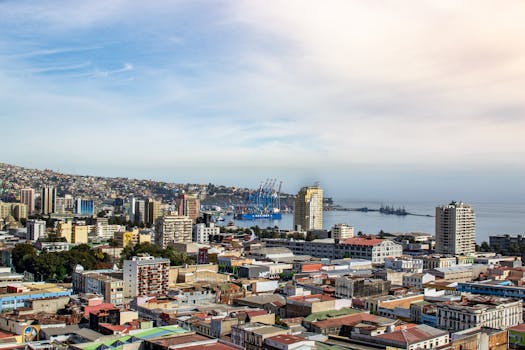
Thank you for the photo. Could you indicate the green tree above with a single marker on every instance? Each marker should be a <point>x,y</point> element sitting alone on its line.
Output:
<point>23,256</point>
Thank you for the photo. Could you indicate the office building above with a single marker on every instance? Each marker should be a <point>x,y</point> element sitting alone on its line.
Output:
<point>146,275</point>
<point>189,205</point>
<point>48,199</point>
<point>80,234</point>
<point>151,212</point>
<point>342,231</point>
<point>455,229</point>
<point>84,207</point>
<point>173,229</point>
<point>309,208</point>
<point>35,229</point>
<point>27,197</point>
<point>140,211</point>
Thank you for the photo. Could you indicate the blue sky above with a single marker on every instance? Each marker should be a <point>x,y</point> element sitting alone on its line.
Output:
<point>422,100</point>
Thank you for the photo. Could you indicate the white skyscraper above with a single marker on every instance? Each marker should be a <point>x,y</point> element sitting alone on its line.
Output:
<point>455,229</point>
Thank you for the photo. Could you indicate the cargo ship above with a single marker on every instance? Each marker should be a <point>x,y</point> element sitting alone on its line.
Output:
<point>258,216</point>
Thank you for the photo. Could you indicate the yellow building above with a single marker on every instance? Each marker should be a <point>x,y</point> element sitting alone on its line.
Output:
<point>309,208</point>
<point>125,238</point>
<point>80,234</point>
<point>64,229</point>
<point>16,210</point>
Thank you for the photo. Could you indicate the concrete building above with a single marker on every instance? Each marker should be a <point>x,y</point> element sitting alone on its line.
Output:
<point>437,261</point>
<point>347,287</point>
<point>342,231</point>
<point>251,336</point>
<point>35,229</point>
<point>132,238</point>
<point>455,229</point>
<point>479,311</point>
<point>417,280</point>
<point>189,205</point>
<point>48,199</point>
<point>308,212</point>
<point>107,283</point>
<point>152,212</point>
<point>65,230</point>
<point>203,232</point>
<point>173,229</point>
<point>457,273</point>
<point>140,211</point>
<point>373,249</point>
<point>27,197</point>
<point>146,275</point>
<point>80,234</point>
<point>404,263</point>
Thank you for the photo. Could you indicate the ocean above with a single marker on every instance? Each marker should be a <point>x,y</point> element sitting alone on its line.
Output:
<point>491,218</point>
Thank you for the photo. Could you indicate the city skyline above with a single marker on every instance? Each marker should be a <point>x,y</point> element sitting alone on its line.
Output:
<point>386,102</point>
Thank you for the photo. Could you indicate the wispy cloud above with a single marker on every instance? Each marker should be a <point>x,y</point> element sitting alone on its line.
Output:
<point>51,52</point>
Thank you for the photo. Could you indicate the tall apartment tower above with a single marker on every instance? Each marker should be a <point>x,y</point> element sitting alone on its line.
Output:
<point>146,275</point>
<point>172,228</point>
<point>27,197</point>
<point>151,211</point>
<point>48,199</point>
<point>309,208</point>
<point>189,205</point>
<point>455,229</point>
<point>35,229</point>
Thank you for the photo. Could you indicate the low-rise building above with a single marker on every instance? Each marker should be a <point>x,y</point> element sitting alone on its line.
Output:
<point>252,336</point>
<point>455,273</point>
<point>417,280</point>
<point>347,287</point>
<point>479,311</point>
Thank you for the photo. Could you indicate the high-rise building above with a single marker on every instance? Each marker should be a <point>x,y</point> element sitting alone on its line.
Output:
<point>35,229</point>
<point>140,211</point>
<point>455,229</point>
<point>48,200</point>
<point>146,275</point>
<point>131,209</point>
<point>27,197</point>
<point>172,228</point>
<point>152,211</point>
<point>84,207</point>
<point>309,208</point>
<point>342,232</point>
<point>69,203</point>
<point>189,205</point>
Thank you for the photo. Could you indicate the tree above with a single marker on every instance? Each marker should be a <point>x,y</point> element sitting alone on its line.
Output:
<point>23,256</point>
<point>485,247</point>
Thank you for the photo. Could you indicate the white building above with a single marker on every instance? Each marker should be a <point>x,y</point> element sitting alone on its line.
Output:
<point>202,233</point>
<point>369,248</point>
<point>404,263</point>
<point>35,229</point>
<point>417,280</point>
<point>455,229</point>
<point>172,228</point>
<point>342,232</point>
<point>146,275</point>
<point>479,311</point>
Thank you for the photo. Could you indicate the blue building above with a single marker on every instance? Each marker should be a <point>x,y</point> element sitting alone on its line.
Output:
<point>18,295</point>
<point>495,288</point>
<point>84,207</point>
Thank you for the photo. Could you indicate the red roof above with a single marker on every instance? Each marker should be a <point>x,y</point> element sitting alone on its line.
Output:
<point>518,328</point>
<point>349,320</point>
<point>96,308</point>
<point>362,241</point>
<point>212,346</point>
<point>311,298</point>
<point>286,339</point>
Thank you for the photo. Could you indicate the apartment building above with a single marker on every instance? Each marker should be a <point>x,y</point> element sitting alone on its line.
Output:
<point>146,275</point>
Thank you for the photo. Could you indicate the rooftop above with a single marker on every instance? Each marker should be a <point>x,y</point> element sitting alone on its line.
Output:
<point>362,241</point>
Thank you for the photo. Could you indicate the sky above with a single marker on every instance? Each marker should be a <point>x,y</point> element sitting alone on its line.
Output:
<point>383,100</point>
